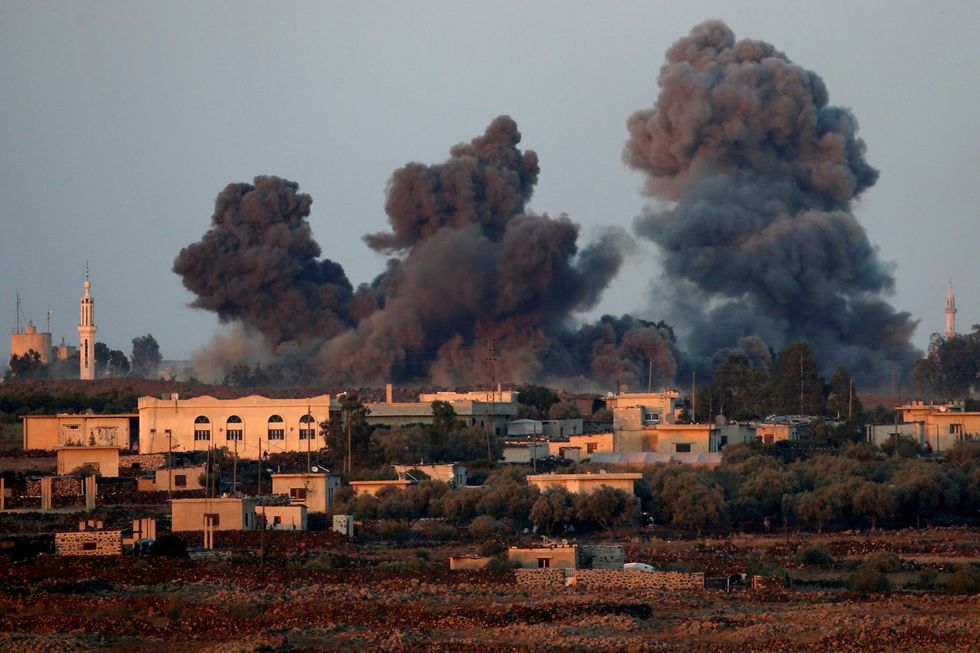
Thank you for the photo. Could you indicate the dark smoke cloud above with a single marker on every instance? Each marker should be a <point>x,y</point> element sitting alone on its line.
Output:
<point>758,239</point>
<point>473,265</point>
<point>258,264</point>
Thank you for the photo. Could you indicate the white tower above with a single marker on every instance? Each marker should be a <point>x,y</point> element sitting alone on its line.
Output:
<point>950,312</point>
<point>86,334</point>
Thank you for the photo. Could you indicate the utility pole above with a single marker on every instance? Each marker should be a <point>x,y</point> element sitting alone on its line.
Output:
<point>850,402</point>
<point>801,383</point>
<point>309,422</point>
<point>650,375</point>
<point>207,474</point>
<point>350,440</point>
<point>234,470</point>
<point>491,364</point>
<point>258,491</point>
<point>694,397</point>
<point>170,463</point>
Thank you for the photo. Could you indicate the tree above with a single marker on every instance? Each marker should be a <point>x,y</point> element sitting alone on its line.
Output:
<point>951,368</point>
<point>349,438</point>
<point>697,505</point>
<point>608,507</point>
<point>563,411</point>
<point>819,507</point>
<point>842,400</point>
<point>872,500</point>
<point>146,355</point>
<point>26,367</point>
<point>792,377</point>
<point>552,507</point>
<point>537,398</point>
<point>111,362</point>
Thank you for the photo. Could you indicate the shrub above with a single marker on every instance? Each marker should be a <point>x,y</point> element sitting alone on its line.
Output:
<point>436,530</point>
<point>169,546</point>
<point>814,555</point>
<point>492,548</point>
<point>483,527</point>
<point>966,580</point>
<point>867,578</point>
<point>392,530</point>
<point>175,608</point>
<point>885,562</point>
<point>927,579</point>
<point>501,562</point>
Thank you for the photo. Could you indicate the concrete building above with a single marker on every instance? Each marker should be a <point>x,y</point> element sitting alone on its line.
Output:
<point>104,460</point>
<point>639,460</point>
<point>315,491</point>
<point>280,518</point>
<point>49,432</point>
<point>473,413</point>
<point>86,334</point>
<point>545,557</point>
<point>224,513</point>
<point>586,483</point>
<point>451,473</point>
<point>520,452</point>
<point>548,428</point>
<point>247,425</point>
<point>637,416</point>
<point>589,444</point>
<point>183,478</point>
<point>374,487</point>
<point>940,425</point>
<point>28,340</point>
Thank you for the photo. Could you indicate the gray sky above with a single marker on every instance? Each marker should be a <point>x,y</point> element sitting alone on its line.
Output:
<point>121,122</point>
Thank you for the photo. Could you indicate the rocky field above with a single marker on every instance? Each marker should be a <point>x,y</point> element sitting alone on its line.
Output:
<point>398,599</point>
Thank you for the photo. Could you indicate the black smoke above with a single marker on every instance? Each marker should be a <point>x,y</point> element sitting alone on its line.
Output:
<point>473,270</point>
<point>758,174</point>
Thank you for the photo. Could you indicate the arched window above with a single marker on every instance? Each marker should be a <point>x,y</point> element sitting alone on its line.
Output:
<point>202,428</point>
<point>307,426</point>
<point>277,428</point>
<point>235,429</point>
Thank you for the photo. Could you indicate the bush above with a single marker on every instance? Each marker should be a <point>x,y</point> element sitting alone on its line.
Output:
<point>927,579</point>
<point>392,530</point>
<point>169,546</point>
<point>885,562</point>
<point>966,580</point>
<point>492,548</point>
<point>483,527</point>
<point>501,562</point>
<point>814,555</point>
<point>437,530</point>
<point>867,578</point>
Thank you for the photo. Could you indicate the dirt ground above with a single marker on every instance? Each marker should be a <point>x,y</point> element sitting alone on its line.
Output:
<point>297,603</point>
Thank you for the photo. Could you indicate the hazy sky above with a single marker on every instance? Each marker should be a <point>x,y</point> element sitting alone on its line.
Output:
<point>121,122</point>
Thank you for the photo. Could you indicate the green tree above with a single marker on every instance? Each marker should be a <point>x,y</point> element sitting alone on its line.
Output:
<point>608,507</point>
<point>696,505</point>
<point>792,376</point>
<point>146,355</point>
<point>111,362</point>
<point>819,507</point>
<point>951,368</point>
<point>842,400</point>
<point>26,367</point>
<point>872,500</point>
<point>553,507</point>
<point>537,398</point>
<point>563,411</point>
<point>348,434</point>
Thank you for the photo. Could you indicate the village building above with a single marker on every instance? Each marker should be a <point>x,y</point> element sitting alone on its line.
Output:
<point>179,479</point>
<point>452,473</point>
<point>102,460</point>
<point>280,517</point>
<point>547,428</point>
<point>559,556</point>
<point>222,513</point>
<point>49,432</point>
<point>521,452</point>
<point>315,491</point>
<point>91,539</point>
<point>939,425</point>
<point>586,483</point>
<point>247,426</point>
<point>374,487</point>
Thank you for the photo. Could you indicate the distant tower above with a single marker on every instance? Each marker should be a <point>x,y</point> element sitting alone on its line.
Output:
<point>950,312</point>
<point>86,334</point>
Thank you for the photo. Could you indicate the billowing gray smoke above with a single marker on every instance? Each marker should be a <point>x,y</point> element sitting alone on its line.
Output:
<point>758,174</point>
<point>473,267</point>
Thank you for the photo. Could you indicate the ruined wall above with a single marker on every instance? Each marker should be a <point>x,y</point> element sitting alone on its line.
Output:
<point>540,580</point>
<point>146,461</point>
<point>601,556</point>
<point>88,543</point>
<point>605,580</point>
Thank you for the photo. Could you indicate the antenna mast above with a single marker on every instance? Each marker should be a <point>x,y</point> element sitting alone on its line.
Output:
<point>491,364</point>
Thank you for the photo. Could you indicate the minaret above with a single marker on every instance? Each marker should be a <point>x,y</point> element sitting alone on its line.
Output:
<point>950,312</point>
<point>86,334</point>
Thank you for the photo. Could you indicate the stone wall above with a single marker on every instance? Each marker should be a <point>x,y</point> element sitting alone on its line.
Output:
<point>146,461</point>
<point>597,580</point>
<point>88,543</point>
<point>61,486</point>
<point>601,556</point>
<point>605,580</point>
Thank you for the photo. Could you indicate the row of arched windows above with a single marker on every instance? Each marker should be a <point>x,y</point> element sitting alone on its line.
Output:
<point>235,428</point>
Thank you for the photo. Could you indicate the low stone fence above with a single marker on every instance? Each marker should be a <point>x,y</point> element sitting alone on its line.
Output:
<point>61,486</point>
<point>146,461</point>
<point>540,580</point>
<point>604,580</point>
<point>597,580</point>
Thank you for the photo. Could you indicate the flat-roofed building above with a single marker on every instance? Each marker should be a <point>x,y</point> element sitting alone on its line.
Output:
<point>104,460</point>
<point>281,518</point>
<point>589,444</point>
<point>184,478</point>
<point>451,473</point>
<point>48,432</point>
<point>544,557</point>
<point>224,514</point>
<point>247,426</point>
<point>374,487</point>
<point>483,414</point>
<point>941,425</point>
<point>313,490</point>
<point>586,483</point>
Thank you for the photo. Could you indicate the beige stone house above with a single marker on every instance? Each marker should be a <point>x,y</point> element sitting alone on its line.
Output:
<point>586,483</point>
<point>104,460</point>
<point>49,432</point>
<point>313,490</point>
<point>224,514</point>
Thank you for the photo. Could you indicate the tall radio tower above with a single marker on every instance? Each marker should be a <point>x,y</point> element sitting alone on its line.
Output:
<point>950,312</point>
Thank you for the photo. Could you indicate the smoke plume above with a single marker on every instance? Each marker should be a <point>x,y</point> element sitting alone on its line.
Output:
<point>757,174</point>
<point>473,272</point>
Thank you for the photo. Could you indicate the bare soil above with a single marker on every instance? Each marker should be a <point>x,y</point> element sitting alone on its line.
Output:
<point>295,601</point>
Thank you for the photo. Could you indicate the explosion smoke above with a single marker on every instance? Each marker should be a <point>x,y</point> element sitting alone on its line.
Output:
<point>760,174</point>
<point>474,265</point>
